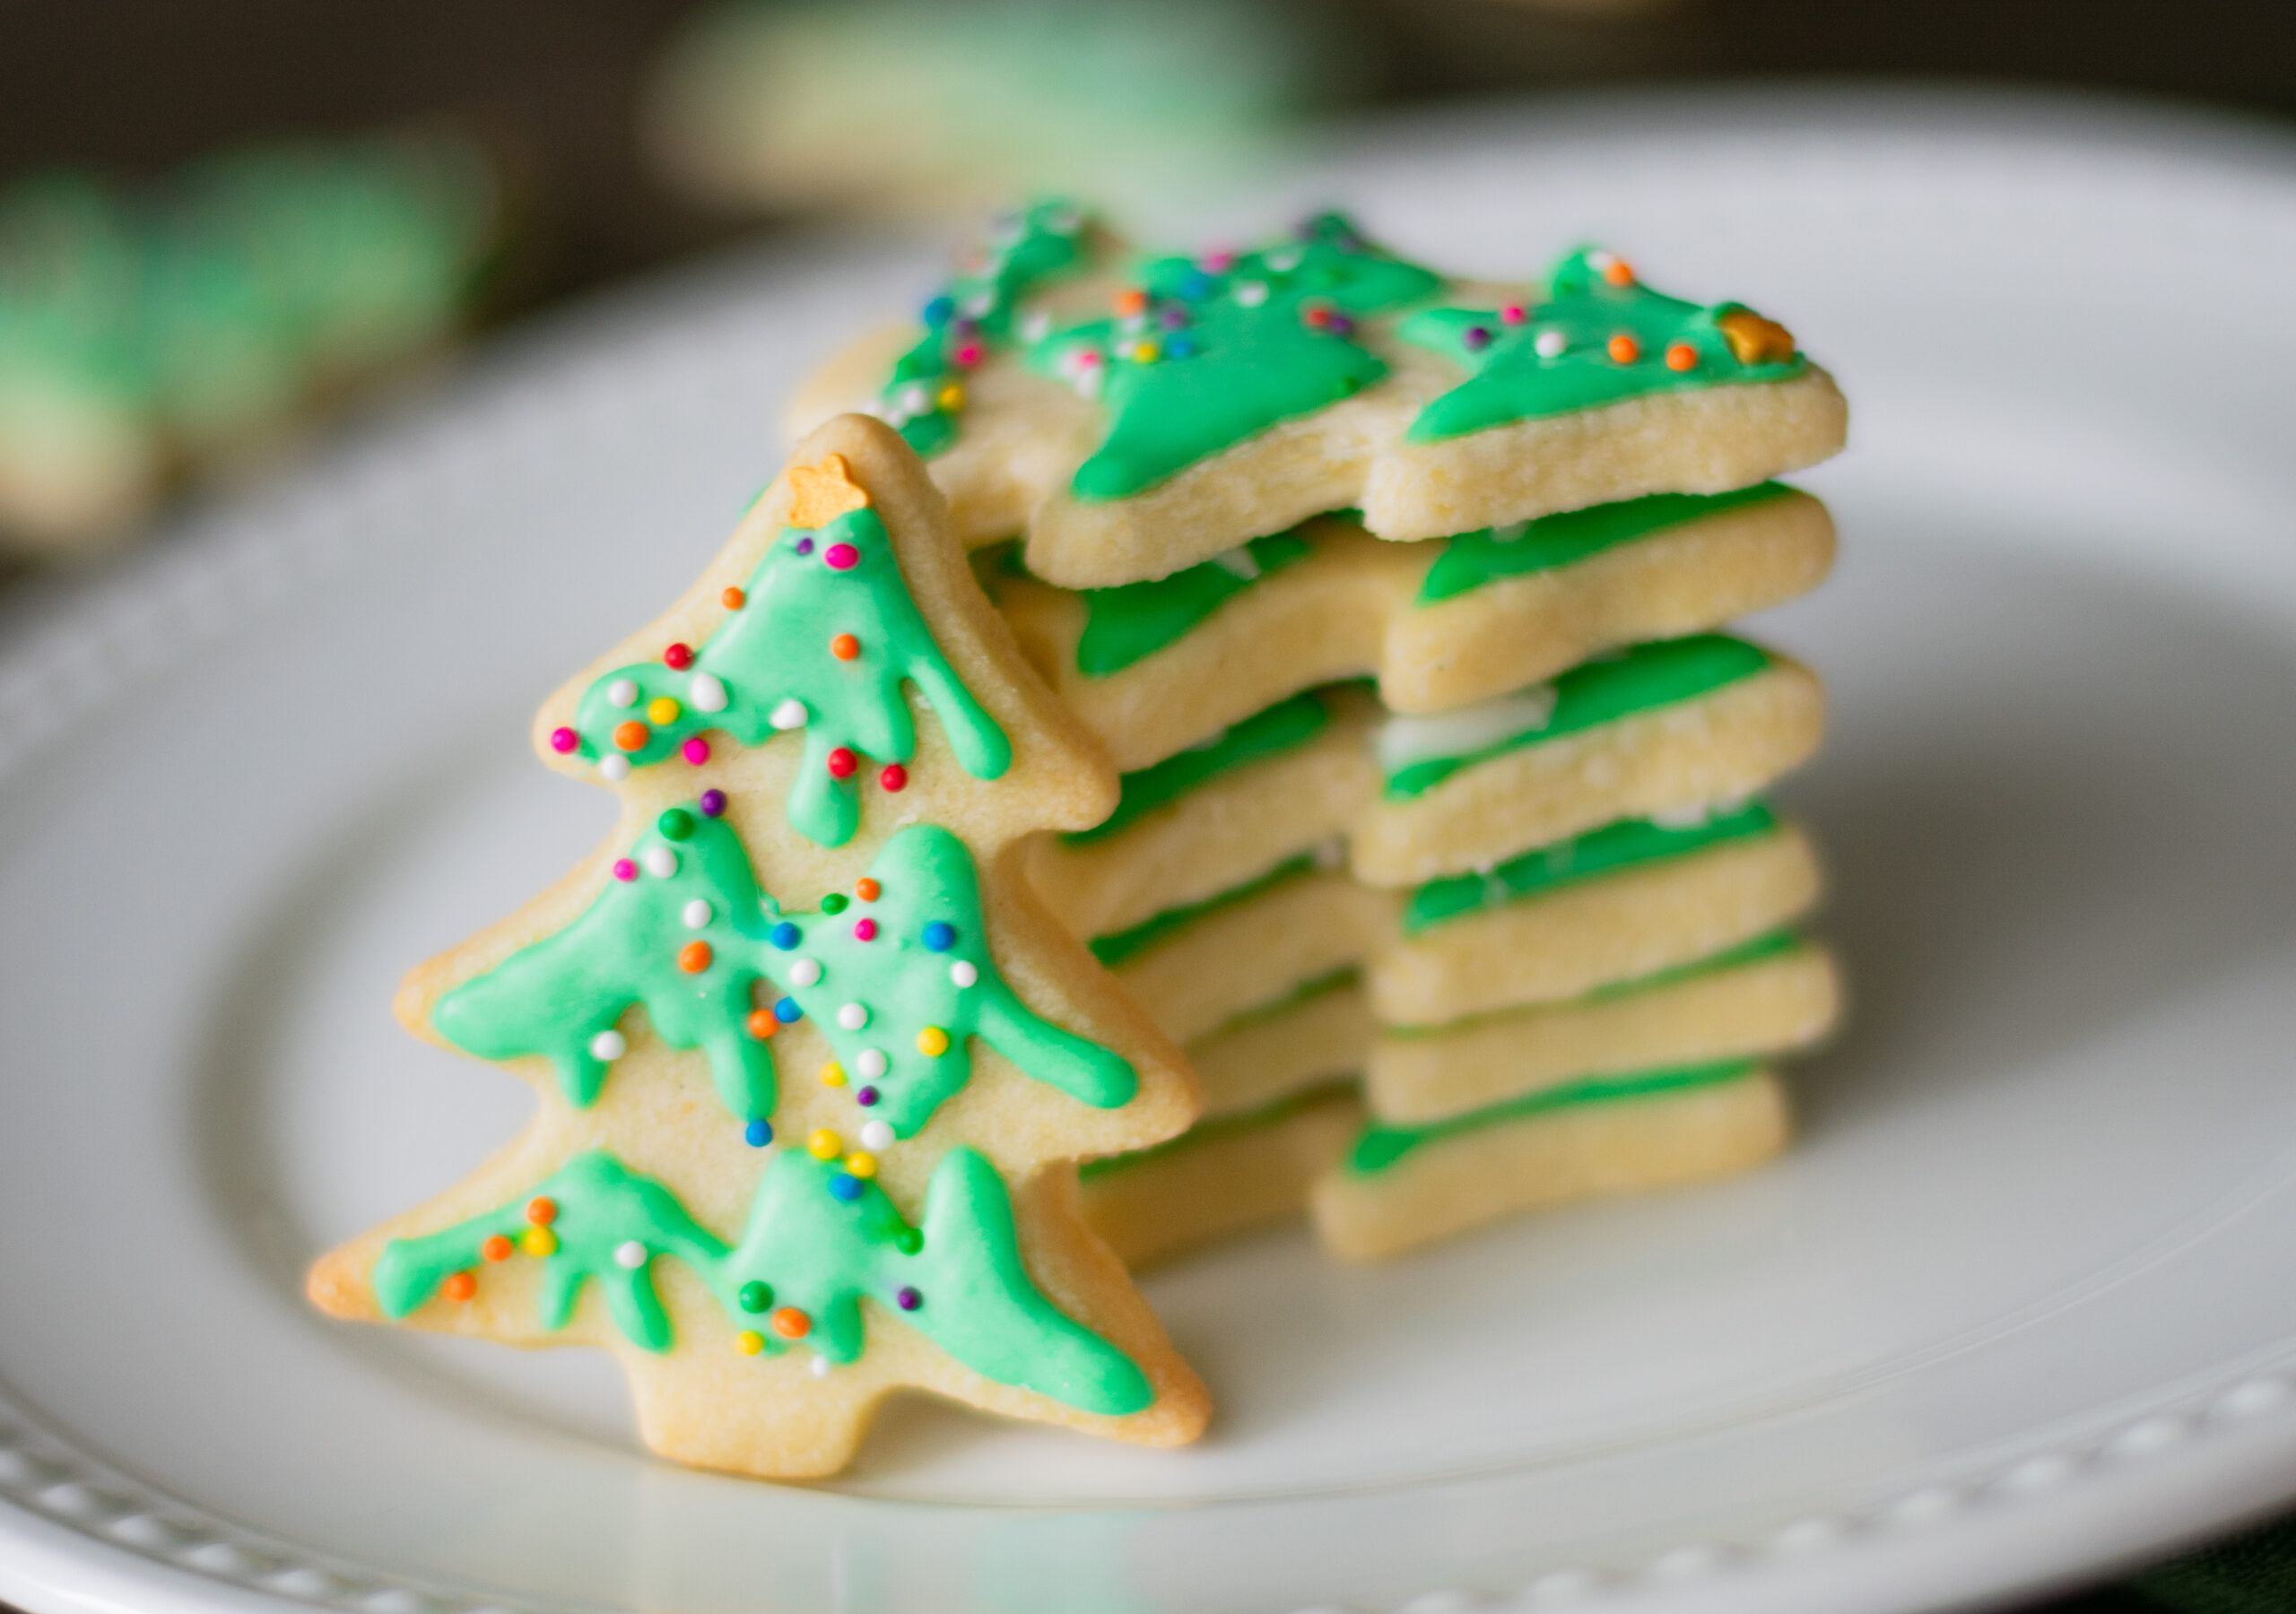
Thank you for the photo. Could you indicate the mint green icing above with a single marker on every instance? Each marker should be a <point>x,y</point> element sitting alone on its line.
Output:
<point>1513,381</point>
<point>1284,726</point>
<point>1225,348</point>
<point>1472,559</point>
<point>1214,1128</point>
<point>1114,949</point>
<point>1126,624</point>
<point>924,876</point>
<point>1627,844</point>
<point>555,997</point>
<point>776,650</point>
<point>1658,673</point>
<point>972,314</point>
<point>819,1242</point>
<point>926,928</point>
<point>1381,1145</point>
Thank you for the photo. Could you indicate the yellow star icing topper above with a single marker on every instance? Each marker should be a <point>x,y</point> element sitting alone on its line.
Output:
<point>821,494</point>
<point>1755,340</point>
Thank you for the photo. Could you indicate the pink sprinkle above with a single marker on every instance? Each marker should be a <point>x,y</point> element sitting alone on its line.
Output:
<point>564,740</point>
<point>695,751</point>
<point>864,930</point>
<point>1513,313</point>
<point>623,868</point>
<point>968,355</point>
<point>840,557</point>
<point>1220,262</point>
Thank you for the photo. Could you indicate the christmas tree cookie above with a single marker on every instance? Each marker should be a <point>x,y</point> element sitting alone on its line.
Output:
<point>1228,397</point>
<point>812,1067</point>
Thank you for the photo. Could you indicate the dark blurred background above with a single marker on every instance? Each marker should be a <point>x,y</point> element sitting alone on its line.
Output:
<point>618,136</point>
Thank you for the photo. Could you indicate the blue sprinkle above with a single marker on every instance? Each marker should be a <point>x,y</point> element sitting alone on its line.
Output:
<point>939,936</point>
<point>846,1187</point>
<point>786,1010</point>
<point>938,311</point>
<point>785,935</point>
<point>1195,285</point>
<point>758,1134</point>
<point>1179,347</point>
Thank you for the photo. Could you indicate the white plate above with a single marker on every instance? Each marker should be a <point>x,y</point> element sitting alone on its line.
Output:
<point>2019,1307</point>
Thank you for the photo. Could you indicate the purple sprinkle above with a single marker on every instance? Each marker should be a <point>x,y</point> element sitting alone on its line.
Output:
<point>908,1299</point>
<point>1475,338</point>
<point>1340,324</point>
<point>805,546</point>
<point>866,1096</point>
<point>713,802</point>
<point>1171,318</point>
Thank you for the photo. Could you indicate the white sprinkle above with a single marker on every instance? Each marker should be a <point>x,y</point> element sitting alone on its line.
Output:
<point>1550,343</point>
<point>853,1016</point>
<point>1250,294</point>
<point>1599,260</point>
<point>660,862</point>
<point>821,1366</point>
<point>632,1254</point>
<point>977,305</point>
<point>609,1046</point>
<point>622,693</point>
<point>1064,220</point>
<point>614,769</point>
<point>706,693</point>
<point>963,974</point>
<point>917,400</point>
<point>876,1136</point>
<point>1238,563</point>
<point>870,1064</point>
<point>696,914</point>
<point>1681,818</point>
<point>1035,327</point>
<point>805,972</point>
<point>1285,259</point>
<point>790,714</point>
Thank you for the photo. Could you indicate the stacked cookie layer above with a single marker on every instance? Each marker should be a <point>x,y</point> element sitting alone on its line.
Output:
<point>1443,858</point>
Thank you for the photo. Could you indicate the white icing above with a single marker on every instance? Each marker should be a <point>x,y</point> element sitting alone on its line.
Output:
<point>1238,563</point>
<point>1403,742</point>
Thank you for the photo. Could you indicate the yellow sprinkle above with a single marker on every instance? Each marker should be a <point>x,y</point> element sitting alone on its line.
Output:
<point>1145,352</point>
<point>861,1165</point>
<point>538,1241</point>
<point>824,1144</point>
<point>951,397</point>
<point>932,1042</point>
<point>661,710</point>
<point>749,1342</point>
<point>833,1075</point>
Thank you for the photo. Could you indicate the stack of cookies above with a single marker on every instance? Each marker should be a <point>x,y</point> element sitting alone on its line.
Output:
<point>1397,601</point>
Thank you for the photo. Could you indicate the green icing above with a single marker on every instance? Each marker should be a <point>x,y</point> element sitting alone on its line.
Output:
<point>1114,949</point>
<point>771,668</point>
<point>1280,728</point>
<point>1306,992</point>
<point>1472,559</point>
<point>602,1205</point>
<point>1212,1130</point>
<point>972,314</point>
<point>1624,845</point>
<point>1225,347</point>
<point>1654,674</point>
<point>1513,381</point>
<point>904,984</point>
<point>1770,944</point>
<point>915,958</point>
<point>1125,624</point>
<point>819,1242</point>
<point>557,997</point>
<point>1380,1146</point>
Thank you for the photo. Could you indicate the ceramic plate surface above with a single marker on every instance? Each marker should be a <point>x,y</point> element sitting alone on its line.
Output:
<point>2019,1307</point>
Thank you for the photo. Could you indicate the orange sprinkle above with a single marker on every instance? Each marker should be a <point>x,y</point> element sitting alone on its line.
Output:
<point>1132,299</point>
<point>694,957</point>
<point>1618,274</point>
<point>866,889</point>
<point>845,646</point>
<point>762,1024</point>
<point>734,599</point>
<point>497,1248</point>
<point>632,735</point>
<point>542,1210</point>
<point>460,1286</point>
<point>1682,356</point>
<point>791,1323</point>
<point>1624,349</point>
